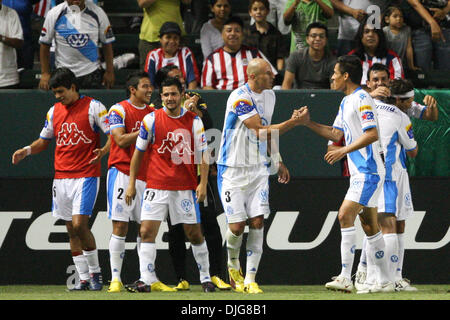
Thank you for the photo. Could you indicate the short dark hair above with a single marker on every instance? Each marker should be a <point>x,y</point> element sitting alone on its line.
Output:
<point>133,80</point>
<point>400,86</point>
<point>171,81</point>
<point>378,67</point>
<point>352,65</point>
<point>318,25</point>
<point>162,74</point>
<point>264,2</point>
<point>233,19</point>
<point>63,77</point>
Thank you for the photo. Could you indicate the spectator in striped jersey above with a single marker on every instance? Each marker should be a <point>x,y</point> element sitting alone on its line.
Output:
<point>172,53</point>
<point>371,47</point>
<point>226,67</point>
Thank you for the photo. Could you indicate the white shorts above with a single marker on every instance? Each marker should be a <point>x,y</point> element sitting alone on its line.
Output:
<point>244,192</point>
<point>396,198</point>
<point>181,206</point>
<point>74,196</point>
<point>116,186</point>
<point>365,189</point>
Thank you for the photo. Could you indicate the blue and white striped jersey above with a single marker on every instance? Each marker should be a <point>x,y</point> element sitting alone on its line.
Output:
<point>357,113</point>
<point>396,136</point>
<point>77,35</point>
<point>239,146</point>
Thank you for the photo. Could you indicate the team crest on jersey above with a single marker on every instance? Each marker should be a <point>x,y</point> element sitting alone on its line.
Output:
<point>78,40</point>
<point>137,126</point>
<point>70,134</point>
<point>176,142</point>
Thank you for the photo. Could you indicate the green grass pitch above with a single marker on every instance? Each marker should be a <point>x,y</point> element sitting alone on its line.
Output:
<point>271,292</point>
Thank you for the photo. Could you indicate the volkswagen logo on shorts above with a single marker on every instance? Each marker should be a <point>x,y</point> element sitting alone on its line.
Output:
<point>408,201</point>
<point>78,40</point>
<point>229,210</point>
<point>264,196</point>
<point>186,204</point>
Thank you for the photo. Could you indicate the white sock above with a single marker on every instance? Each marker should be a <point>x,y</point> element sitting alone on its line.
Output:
<point>92,261</point>
<point>201,256</point>
<point>377,251</point>
<point>348,244</point>
<point>233,248</point>
<point>138,244</point>
<point>391,242</point>
<point>147,259</point>
<point>363,258</point>
<point>372,269</point>
<point>254,253</point>
<point>401,256</point>
<point>116,255</point>
<point>82,266</point>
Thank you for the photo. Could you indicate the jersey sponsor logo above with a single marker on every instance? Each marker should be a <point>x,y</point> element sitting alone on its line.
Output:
<point>243,107</point>
<point>143,132</point>
<point>363,108</point>
<point>114,118</point>
<point>409,131</point>
<point>43,32</point>
<point>79,40</point>
<point>176,143</point>
<point>186,205</point>
<point>70,134</point>
<point>367,116</point>
<point>109,33</point>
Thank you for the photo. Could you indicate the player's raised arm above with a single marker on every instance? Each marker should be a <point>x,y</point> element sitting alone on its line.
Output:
<point>37,146</point>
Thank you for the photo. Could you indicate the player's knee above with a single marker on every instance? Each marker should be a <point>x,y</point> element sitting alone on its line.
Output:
<point>345,219</point>
<point>237,228</point>
<point>148,234</point>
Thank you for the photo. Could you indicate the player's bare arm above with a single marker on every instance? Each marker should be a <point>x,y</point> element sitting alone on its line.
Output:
<point>37,146</point>
<point>101,152</point>
<point>200,192</point>
<point>135,164</point>
<point>122,138</point>
<point>265,132</point>
<point>368,137</point>
<point>328,132</point>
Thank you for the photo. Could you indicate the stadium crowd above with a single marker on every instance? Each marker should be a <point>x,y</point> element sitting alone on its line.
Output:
<point>411,36</point>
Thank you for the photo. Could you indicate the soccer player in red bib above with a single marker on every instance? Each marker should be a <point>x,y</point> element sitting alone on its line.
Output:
<point>125,119</point>
<point>75,121</point>
<point>176,141</point>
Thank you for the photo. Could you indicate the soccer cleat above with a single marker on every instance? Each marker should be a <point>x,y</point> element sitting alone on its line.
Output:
<point>360,279</point>
<point>385,288</point>
<point>83,285</point>
<point>159,286</point>
<point>364,288</point>
<point>115,286</point>
<point>208,286</point>
<point>96,283</point>
<point>404,285</point>
<point>183,285</point>
<point>340,284</point>
<point>253,288</point>
<point>220,284</point>
<point>236,279</point>
<point>138,286</point>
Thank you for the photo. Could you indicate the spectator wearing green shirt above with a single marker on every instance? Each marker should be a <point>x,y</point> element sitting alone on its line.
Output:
<point>300,13</point>
<point>156,12</point>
